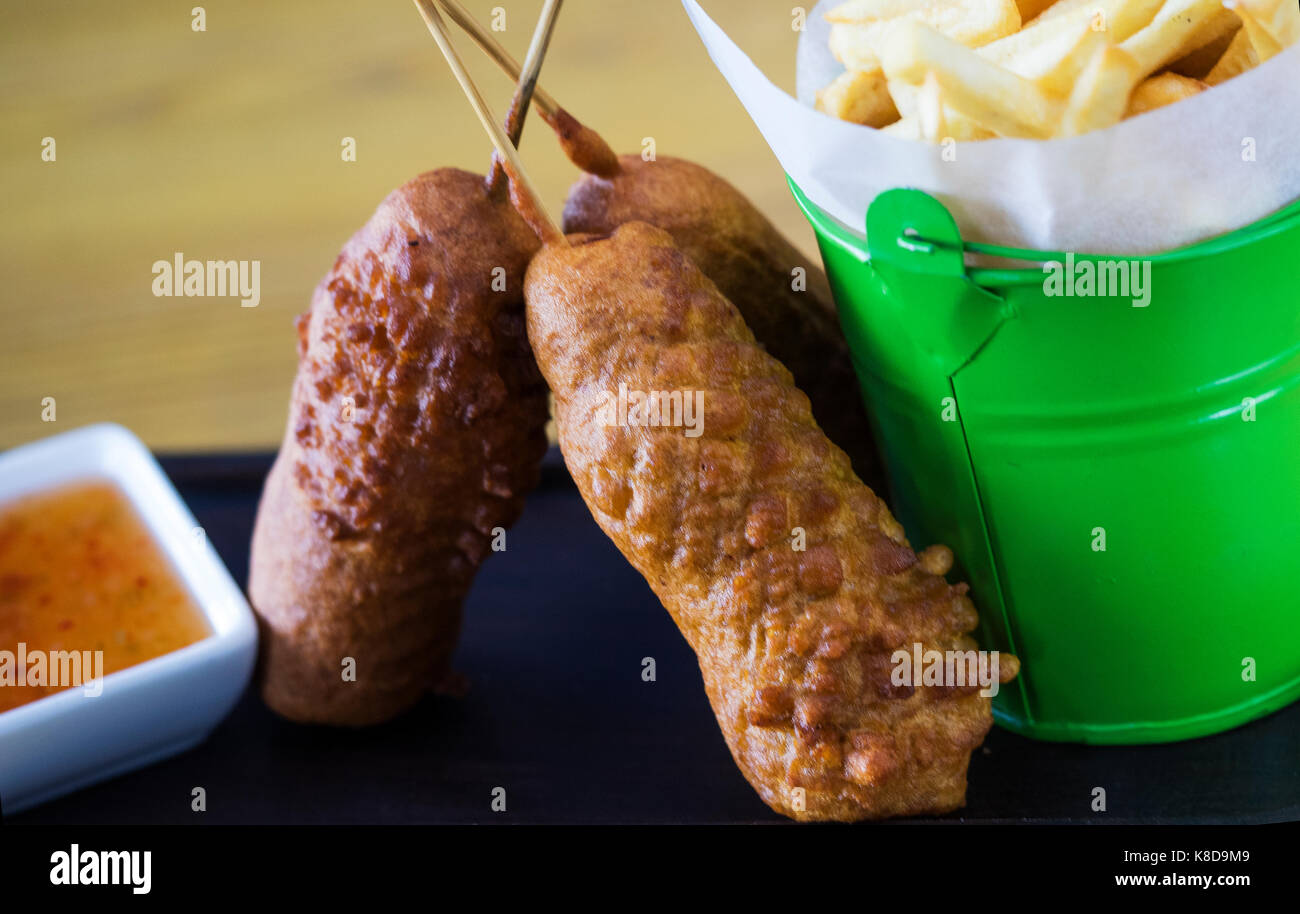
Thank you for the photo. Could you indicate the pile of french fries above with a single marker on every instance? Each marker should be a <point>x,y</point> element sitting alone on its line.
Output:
<point>959,70</point>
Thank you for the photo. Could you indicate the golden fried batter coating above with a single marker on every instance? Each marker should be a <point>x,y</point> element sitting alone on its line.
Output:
<point>752,264</point>
<point>416,427</point>
<point>795,646</point>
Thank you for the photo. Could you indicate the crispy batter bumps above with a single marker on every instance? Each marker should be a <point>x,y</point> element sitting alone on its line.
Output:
<point>795,646</point>
<point>753,265</point>
<point>415,429</point>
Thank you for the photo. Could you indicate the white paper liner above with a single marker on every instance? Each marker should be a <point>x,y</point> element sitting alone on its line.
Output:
<point>1165,179</point>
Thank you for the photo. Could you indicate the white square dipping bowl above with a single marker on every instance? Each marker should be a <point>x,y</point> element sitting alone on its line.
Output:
<point>147,712</point>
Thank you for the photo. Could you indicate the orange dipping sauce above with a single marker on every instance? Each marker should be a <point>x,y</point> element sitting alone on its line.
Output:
<point>80,572</point>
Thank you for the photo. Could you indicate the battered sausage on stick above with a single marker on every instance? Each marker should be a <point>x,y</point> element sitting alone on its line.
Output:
<point>732,242</point>
<point>795,646</point>
<point>416,427</point>
<point>415,430</point>
<point>755,267</point>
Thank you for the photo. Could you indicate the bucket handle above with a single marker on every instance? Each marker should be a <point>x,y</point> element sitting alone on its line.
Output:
<point>930,231</point>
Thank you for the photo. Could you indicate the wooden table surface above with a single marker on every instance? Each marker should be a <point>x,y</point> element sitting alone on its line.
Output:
<point>226,144</point>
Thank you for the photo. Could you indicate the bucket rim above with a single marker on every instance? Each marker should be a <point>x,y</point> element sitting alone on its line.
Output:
<point>996,277</point>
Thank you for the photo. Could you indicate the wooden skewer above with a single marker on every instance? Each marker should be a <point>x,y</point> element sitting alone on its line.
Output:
<point>582,145</point>
<point>527,84</point>
<point>536,53</point>
<point>483,38</point>
<point>530,207</point>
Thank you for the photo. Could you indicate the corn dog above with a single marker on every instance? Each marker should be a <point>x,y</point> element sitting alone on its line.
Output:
<point>415,430</point>
<point>754,266</point>
<point>795,645</point>
<point>731,241</point>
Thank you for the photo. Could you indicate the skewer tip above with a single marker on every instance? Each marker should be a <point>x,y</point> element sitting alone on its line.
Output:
<point>523,194</point>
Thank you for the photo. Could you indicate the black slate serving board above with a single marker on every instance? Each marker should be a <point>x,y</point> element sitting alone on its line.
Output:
<point>557,714</point>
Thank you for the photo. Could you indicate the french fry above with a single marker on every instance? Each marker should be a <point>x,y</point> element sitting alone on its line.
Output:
<point>1196,64</point>
<point>1271,24</point>
<point>1053,47</point>
<point>1038,47</point>
<point>1032,9</point>
<point>907,127</point>
<point>1162,90</point>
<point>1102,92</point>
<point>1068,51</point>
<point>929,110</point>
<point>1125,19</point>
<point>1217,28</point>
<point>904,95</point>
<point>859,97</point>
<point>1073,52</point>
<point>1171,33</point>
<point>1240,57</point>
<point>967,21</point>
<point>1265,45</point>
<point>858,28</point>
<point>993,97</point>
<point>960,129</point>
<point>1060,8</point>
<point>956,126</point>
<point>1072,66</point>
<point>1022,45</point>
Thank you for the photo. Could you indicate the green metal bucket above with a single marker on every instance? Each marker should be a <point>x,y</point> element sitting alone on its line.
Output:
<point>1120,484</point>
